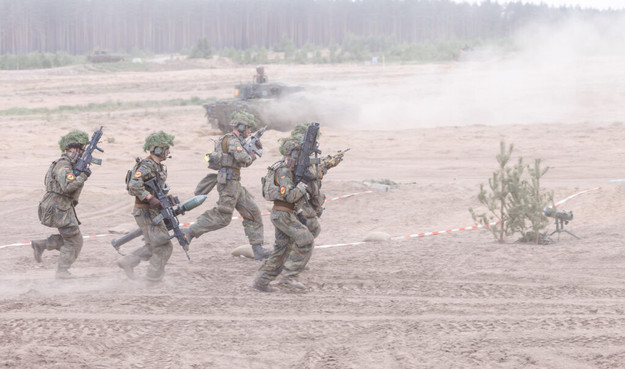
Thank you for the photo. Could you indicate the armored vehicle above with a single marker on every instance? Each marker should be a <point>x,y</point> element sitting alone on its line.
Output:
<point>260,89</point>
<point>264,100</point>
<point>102,56</point>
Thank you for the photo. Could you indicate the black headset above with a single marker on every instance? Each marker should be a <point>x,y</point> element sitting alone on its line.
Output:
<point>241,127</point>
<point>158,151</point>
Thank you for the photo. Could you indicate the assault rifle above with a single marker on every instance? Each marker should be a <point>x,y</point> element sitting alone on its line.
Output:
<point>253,144</point>
<point>309,146</point>
<point>331,161</point>
<point>82,164</point>
<point>192,203</point>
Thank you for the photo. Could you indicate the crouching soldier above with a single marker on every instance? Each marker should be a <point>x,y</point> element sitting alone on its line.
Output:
<point>57,208</point>
<point>291,235</point>
<point>158,247</point>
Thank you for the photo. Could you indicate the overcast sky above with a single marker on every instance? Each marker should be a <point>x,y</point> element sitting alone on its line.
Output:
<point>596,4</point>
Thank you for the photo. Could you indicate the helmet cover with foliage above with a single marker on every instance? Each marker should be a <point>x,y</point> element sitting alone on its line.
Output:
<point>158,139</point>
<point>288,144</point>
<point>242,117</point>
<point>300,130</point>
<point>74,137</point>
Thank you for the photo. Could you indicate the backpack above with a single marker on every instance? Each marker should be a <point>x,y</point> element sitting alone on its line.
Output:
<point>131,172</point>
<point>220,156</point>
<point>270,190</point>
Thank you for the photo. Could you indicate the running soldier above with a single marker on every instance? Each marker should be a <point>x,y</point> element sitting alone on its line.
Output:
<point>57,208</point>
<point>230,157</point>
<point>308,210</point>
<point>158,247</point>
<point>291,235</point>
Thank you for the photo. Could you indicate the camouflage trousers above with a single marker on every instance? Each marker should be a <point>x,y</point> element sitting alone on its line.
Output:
<point>292,237</point>
<point>68,242</point>
<point>232,196</point>
<point>157,249</point>
<point>296,262</point>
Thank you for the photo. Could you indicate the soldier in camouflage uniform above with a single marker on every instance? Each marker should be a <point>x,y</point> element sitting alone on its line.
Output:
<point>158,247</point>
<point>232,195</point>
<point>56,209</point>
<point>291,235</point>
<point>308,210</point>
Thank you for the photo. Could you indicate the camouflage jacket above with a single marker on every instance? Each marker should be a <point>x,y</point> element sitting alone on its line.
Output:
<point>63,188</point>
<point>144,171</point>
<point>232,145</point>
<point>284,180</point>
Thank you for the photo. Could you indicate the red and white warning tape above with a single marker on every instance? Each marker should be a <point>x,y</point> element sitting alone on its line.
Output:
<point>341,244</point>
<point>577,194</point>
<point>327,200</point>
<point>186,224</point>
<point>28,243</point>
<point>441,232</point>
<point>415,235</point>
<point>348,195</point>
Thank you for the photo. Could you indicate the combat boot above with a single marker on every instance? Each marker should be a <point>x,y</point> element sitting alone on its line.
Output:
<point>128,264</point>
<point>38,247</point>
<point>292,282</point>
<point>262,286</point>
<point>63,274</point>
<point>260,252</point>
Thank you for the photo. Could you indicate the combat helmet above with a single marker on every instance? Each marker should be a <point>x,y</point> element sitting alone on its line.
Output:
<point>73,139</point>
<point>300,130</point>
<point>288,144</point>
<point>242,117</point>
<point>158,139</point>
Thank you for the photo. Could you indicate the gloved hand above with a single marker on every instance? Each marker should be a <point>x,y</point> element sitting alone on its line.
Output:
<point>87,172</point>
<point>172,199</point>
<point>259,145</point>
<point>155,203</point>
<point>302,186</point>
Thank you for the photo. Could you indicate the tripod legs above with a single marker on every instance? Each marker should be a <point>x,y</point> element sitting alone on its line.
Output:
<point>560,229</point>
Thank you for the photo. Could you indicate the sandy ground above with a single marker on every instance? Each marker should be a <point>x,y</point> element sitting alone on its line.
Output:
<point>448,301</point>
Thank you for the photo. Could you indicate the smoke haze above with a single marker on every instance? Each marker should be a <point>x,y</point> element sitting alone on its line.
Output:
<point>569,72</point>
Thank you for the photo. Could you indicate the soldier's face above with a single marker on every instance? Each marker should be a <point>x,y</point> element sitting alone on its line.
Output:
<point>160,152</point>
<point>165,153</point>
<point>74,154</point>
<point>247,132</point>
<point>290,162</point>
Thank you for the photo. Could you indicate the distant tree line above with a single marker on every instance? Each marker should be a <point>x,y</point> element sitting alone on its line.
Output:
<point>165,26</point>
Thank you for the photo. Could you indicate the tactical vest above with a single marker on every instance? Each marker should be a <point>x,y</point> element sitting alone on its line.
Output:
<point>270,188</point>
<point>147,177</point>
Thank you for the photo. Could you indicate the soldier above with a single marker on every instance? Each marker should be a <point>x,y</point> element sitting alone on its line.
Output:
<point>158,247</point>
<point>308,210</point>
<point>232,195</point>
<point>291,235</point>
<point>57,208</point>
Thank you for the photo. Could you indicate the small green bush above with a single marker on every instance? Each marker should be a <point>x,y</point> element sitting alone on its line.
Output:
<point>514,203</point>
<point>201,49</point>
